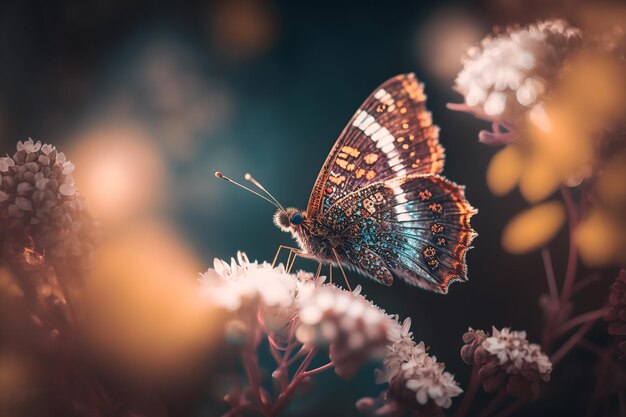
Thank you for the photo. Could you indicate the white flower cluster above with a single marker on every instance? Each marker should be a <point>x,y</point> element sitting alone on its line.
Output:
<point>516,354</point>
<point>414,375</point>
<point>261,297</point>
<point>38,199</point>
<point>509,73</point>
<point>353,327</point>
<point>249,288</point>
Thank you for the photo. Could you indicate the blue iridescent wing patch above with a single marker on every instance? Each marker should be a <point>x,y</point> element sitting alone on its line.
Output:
<point>415,227</point>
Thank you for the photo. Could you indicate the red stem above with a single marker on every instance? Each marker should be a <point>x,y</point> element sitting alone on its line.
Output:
<point>553,310</point>
<point>583,318</point>
<point>547,262</point>
<point>584,282</point>
<point>297,378</point>
<point>495,403</point>
<point>469,396</point>
<point>572,263</point>
<point>514,407</point>
<point>235,411</point>
<point>571,342</point>
<point>253,378</point>
<point>319,369</point>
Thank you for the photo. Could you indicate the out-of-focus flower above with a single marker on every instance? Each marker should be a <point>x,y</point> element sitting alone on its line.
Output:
<point>416,380</point>
<point>533,228</point>
<point>473,340</point>
<point>39,204</point>
<point>122,174</point>
<point>352,327</point>
<point>617,312</point>
<point>243,28</point>
<point>443,38</point>
<point>504,77</point>
<point>601,235</point>
<point>601,238</point>
<point>143,314</point>
<point>507,358</point>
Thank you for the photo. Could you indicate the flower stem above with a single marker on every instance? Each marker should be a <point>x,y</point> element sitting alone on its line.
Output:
<point>584,282</point>
<point>571,342</point>
<point>469,396</point>
<point>319,369</point>
<point>514,407</point>
<point>583,318</point>
<point>547,262</point>
<point>572,263</point>
<point>552,311</point>
<point>253,378</point>
<point>295,381</point>
<point>495,403</point>
<point>235,411</point>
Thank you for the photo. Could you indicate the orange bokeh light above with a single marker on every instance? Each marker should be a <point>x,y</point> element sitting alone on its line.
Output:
<point>120,172</point>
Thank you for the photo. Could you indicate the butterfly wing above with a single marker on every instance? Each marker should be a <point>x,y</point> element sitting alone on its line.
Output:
<point>416,227</point>
<point>390,135</point>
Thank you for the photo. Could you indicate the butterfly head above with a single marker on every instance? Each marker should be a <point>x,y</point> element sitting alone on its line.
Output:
<point>289,219</point>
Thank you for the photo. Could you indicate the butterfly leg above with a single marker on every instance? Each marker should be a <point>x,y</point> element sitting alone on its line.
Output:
<point>319,270</point>
<point>291,260</point>
<point>345,278</point>
<point>280,248</point>
<point>296,253</point>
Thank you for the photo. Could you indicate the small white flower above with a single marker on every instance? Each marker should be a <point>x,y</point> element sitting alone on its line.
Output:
<point>415,379</point>
<point>29,146</point>
<point>5,163</point>
<point>421,377</point>
<point>47,149</point>
<point>504,77</point>
<point>515,354</point>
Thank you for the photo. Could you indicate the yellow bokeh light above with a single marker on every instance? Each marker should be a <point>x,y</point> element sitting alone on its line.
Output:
<point>599,240</point>
<point>505,169</point>
<point>144,309</point>
<point>533,228</point>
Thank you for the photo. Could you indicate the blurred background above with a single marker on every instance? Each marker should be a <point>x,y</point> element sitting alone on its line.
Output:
<point>148,99</point>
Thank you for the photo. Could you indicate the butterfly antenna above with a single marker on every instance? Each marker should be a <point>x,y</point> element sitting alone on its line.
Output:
<point>224,177</point>
<point>258,184</point>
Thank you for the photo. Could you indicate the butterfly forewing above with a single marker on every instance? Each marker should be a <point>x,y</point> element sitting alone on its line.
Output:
<point>391,135</point>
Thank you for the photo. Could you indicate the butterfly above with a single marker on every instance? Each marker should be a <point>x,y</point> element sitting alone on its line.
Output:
<point>379,205</point>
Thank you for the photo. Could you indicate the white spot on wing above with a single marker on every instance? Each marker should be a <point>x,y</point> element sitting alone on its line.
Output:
<point>386,141</point>
<point>378,135</point>
<point>366,123</point>
<point>361,115</point>
<point>373,128</point>
<point>380,93</point>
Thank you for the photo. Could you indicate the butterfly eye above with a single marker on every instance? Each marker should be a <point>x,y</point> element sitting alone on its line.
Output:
<point>296,219</point>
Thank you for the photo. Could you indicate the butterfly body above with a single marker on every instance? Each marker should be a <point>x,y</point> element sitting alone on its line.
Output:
<point>379,205</point>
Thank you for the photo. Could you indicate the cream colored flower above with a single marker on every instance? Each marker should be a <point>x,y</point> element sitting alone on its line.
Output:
<point>352,327</point>
<point>416,379</point>
<point>507,358</point>
<point>508,73</point>
<point>249,289</point>
<point>514,351</point>
<point>39,203</point>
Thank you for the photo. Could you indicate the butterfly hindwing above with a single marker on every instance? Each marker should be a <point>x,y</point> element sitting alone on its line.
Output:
<point>391,135</point>
<point>417,227</point>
